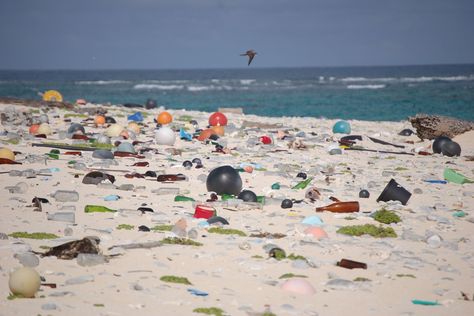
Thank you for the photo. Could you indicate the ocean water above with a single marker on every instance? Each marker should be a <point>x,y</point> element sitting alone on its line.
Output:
<point>368,93</point>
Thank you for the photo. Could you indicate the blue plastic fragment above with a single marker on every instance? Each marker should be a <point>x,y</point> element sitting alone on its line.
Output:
<point>313,220</point>
<point>137,117</point>
<point>197,292</point>
<point>111,197</point>
<point>436,181</point>
<point>54,169</point>
<point>184,135</point>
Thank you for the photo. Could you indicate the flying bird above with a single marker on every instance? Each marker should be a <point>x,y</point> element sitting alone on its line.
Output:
<point>251,53</point>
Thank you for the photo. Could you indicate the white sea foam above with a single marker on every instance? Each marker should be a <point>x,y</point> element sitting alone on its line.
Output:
<point>144,86</point>
<point>407,79</point>
<point>366,86</point>
<point>101,82</point>
<point>200,88</point>
<point>247,81</point>
<point>429,79</point>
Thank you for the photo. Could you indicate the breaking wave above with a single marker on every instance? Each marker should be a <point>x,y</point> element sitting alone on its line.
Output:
<point>144,86</point>
<point>101,82</point>
<point>366,86</point>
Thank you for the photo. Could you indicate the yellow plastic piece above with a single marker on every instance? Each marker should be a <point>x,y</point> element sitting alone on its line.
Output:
<point>52,95</point>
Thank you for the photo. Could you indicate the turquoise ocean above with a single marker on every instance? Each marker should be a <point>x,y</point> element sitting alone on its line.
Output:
<point>367,93</point>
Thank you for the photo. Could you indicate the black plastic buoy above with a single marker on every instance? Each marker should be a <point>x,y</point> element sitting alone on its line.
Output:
<point>364,194</point>
<point>439,143</point>
<point>247,196</point>
<point>224,180</point>
<point>451,149</point>
<point>286,203</point>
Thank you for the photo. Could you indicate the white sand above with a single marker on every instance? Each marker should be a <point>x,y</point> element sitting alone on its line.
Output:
<point>246,282</point>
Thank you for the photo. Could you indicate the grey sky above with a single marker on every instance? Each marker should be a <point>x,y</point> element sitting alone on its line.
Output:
<point>155,34</point>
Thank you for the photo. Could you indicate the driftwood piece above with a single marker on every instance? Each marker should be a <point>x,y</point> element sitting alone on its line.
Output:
<point>432,126</point>
<point>36,103</point>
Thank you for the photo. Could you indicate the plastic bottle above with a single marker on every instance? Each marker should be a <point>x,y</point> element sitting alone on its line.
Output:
<point>165,191</point>
<point>68,217</point>
<point>66,196</point>
<point>98,209</point>
<point>340,207</point>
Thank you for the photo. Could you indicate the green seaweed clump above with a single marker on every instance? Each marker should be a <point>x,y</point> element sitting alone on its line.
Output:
<point>162,228</point>
<point>292,275</point>
<point>367,229</point>
<point>406,276</point>
<point>125,226</point>
<point>180,241</point>
<point>175,279</point>
<point>33,235</point>
<point>386,217</point>
<point>362,279</point>
<point>292,256</point>
<point>226,231</point>
<point>209,311</point>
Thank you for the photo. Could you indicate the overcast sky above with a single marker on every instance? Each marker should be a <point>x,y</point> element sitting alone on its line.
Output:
<point>157,34</point>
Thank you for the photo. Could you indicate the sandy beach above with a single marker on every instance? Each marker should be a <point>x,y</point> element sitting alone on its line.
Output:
<point>423,270</point>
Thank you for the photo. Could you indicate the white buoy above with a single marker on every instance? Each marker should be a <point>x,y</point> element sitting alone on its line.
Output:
<point>114,130</point>
<point>165,136</point>
<point>25,282</point>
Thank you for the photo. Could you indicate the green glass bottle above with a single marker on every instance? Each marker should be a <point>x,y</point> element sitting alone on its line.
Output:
<point>98,209</point>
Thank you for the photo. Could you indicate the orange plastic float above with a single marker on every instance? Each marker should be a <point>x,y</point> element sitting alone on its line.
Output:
<point>99,120</point>
<point>205,134</point>
<point>218,130</point>
<point>164,118</point>
<point>34,129</point>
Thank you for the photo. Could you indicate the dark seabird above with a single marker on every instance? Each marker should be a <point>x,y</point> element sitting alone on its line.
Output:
<point>251,53</point>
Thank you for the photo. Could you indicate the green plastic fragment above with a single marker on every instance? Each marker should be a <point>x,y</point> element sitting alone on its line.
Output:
<point>455,177</point>
<point>425,303</point>
<point>459,214</point>
<point>175,279</point>
<point>276,186</point>
<point>226,197</point>
<point>182,198</point>
<point>303,184</point>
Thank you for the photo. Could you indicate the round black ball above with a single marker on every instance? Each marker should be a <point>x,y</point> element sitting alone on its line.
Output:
<point>224,180</point>
<point>364,194</point>
<point>247,196</point>
<point>439,143</point>
<point>302,175</point>
<point>286,203</point>
<point>406,132</point>
<point>150,104</point>
<point>110,120</point>
<point>187,164</point>
<point>451,149</point>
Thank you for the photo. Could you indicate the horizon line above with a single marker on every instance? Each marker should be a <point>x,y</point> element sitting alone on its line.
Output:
<point>239,68</point>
